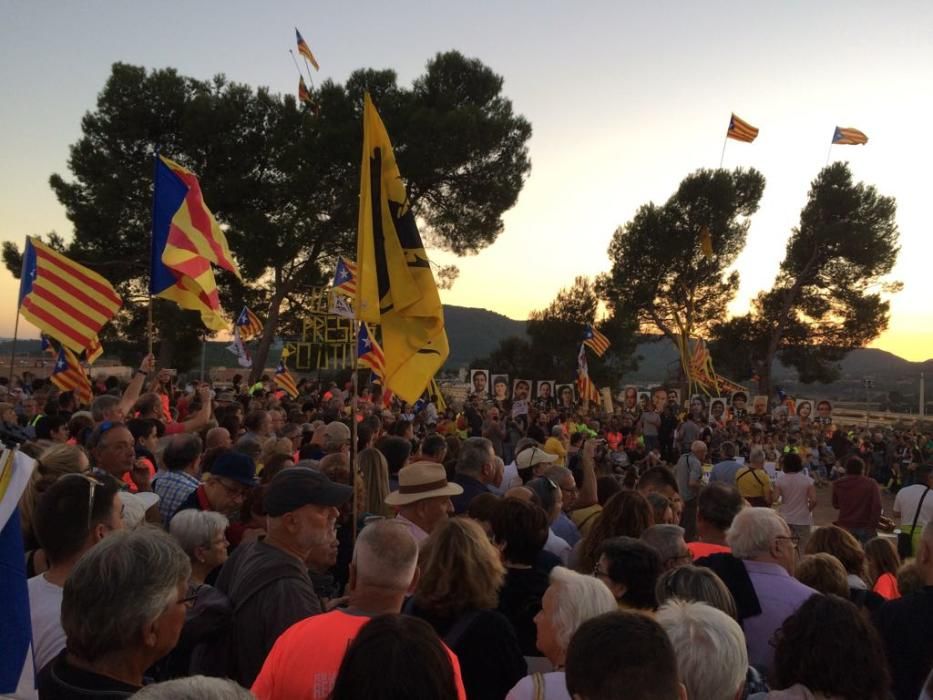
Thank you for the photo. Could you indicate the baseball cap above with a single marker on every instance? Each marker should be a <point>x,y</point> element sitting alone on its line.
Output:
<point>336,432</point>
<point>295,487</point>
<point>235,466</point>
<point>533,456</point>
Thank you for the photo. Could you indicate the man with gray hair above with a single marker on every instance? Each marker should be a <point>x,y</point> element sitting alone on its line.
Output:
<point>382,573</point>
<point>689,474</point>
<point>759,574</point>
<point>123,608</point>
<point>668,541</point>
<point>710,649</point>
<point>477,469</point>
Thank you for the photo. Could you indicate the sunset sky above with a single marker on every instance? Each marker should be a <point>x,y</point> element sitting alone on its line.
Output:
<point>625,99</point>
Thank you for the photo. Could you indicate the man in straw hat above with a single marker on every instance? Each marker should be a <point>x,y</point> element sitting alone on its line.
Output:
<point>423,497</point>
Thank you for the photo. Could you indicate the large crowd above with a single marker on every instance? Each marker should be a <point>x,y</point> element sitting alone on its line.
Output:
<point>190,541</point>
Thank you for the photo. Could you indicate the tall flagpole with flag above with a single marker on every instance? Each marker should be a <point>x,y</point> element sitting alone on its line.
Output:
<point>845,136</point>
<point>395,285</point>
<point>739,130</point>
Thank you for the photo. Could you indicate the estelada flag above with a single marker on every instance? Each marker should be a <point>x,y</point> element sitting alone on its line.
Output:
<point>285,381</point>
<point>345,277</point>
<point>848,137</point>
<point>248,324</point>
<point>368,352</point>
<point>305,50</point>
<point>596,341</point>
<point>303,94</point>
<point>741,130</point>
<point>186,239</point>
<point>395,285</point>
<point>68,375</point>
<point>63,299</point>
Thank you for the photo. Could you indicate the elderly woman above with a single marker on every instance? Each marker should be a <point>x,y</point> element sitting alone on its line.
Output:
<point>569,601</point>
<point>123,608</point>
<point>200,533</point>
<point>461,574</point>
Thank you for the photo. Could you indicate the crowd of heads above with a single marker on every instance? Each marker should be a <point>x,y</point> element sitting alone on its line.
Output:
<point>196,539</point>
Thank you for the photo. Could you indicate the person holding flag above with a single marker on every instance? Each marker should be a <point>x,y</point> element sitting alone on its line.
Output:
<point>395,285</point>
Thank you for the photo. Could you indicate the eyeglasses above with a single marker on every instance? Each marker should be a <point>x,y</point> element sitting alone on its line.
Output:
<point>793,538</point>
<point>93,484</point>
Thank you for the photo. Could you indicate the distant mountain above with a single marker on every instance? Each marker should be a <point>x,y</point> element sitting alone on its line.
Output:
<point>476,333</point>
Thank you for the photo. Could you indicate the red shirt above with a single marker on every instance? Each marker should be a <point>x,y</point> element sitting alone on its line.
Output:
<point>304,660</point>
<point>704,549</point>
<point>886,586</point>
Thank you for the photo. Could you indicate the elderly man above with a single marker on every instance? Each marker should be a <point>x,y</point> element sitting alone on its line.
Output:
<point>710,649</point>
<point>267,581</point>
<point>760,575</point>
<point>383,570</point>
<point>717,506</point>
<point>905,626</point>
<point>477,469</point>
<point>423,497</point>
<point>123,608</point>
<point>113,454</point>
<point>232,476</point>
<point>689,474</point>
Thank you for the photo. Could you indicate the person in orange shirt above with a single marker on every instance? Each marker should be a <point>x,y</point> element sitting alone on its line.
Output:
<point>304,660</point>
<point>717,505</point>
<point>883,563</point>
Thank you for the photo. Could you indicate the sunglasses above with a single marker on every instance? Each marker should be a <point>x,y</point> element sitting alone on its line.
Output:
<point>93,484</point>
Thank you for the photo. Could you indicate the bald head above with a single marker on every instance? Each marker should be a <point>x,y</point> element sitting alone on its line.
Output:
<point>520,493</point>
<point>218,437</point>
<point>385,556</point>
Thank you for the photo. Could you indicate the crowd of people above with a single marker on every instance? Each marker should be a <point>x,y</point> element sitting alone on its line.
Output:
<point>184,541</point>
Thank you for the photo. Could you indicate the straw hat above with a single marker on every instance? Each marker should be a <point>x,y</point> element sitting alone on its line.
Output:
<point>422,480</point>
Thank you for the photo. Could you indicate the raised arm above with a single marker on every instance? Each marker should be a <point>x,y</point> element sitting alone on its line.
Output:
<point>135,387</point>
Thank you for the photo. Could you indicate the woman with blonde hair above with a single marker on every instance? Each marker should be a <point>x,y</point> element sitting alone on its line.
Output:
<point>54,462</point>
<point>461,574</point>
<point>375,473</point>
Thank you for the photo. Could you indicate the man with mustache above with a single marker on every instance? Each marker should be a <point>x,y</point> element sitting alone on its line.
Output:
<point>267,581</point>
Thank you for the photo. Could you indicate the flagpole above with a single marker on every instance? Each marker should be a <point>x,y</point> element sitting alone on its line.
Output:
<point>354,381</point>
<point>13,350</point>
<point>722,156</point>
<point>295,61</point>
<point>829,152</point>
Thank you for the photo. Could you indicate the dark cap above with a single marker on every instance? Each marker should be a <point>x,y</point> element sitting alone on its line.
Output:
<point>235,466</point>
<point>295,487</point>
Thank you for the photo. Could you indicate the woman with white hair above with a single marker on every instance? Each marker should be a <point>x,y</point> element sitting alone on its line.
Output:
<point>201,534</point>
<point>569,601</point>
<point>709,646</point>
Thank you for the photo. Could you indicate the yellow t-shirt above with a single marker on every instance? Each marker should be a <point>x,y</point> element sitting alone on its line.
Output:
<point>585,518</point>
<point>753,483</point>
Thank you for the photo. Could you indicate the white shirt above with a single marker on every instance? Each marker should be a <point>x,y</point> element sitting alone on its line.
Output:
<point>45,611</point>
<point>557,546</point>
<point>415,530</point>
<point>793,488</point>
<point>555,688</point>
<point>510,479</point>
<point>906,503</point>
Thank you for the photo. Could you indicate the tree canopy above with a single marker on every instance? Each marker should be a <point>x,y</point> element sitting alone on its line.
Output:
<point>282,180</point>
<point>660,276</point>
<point>827,298</point>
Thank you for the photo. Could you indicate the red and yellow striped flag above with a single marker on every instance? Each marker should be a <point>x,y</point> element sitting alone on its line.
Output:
<point>305,50</point>
<point>849,137</point>
<point>68,375</point>
<point>741,130</point>
<point>285,381</point>
<point>63,299</point>
<point>186,239</point>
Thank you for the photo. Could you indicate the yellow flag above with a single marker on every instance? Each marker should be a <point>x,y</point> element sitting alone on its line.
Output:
<point>706,242</point>
<point>395,285</point>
